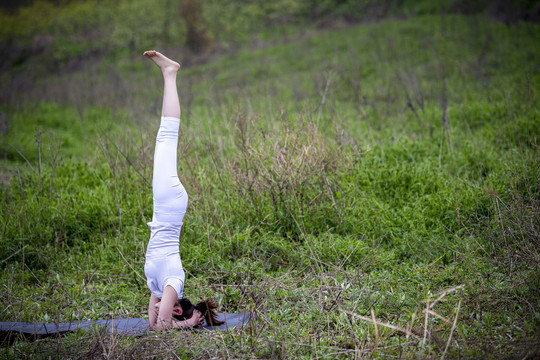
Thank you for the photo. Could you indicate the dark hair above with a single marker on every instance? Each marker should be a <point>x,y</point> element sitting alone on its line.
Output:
<point>206,307</point>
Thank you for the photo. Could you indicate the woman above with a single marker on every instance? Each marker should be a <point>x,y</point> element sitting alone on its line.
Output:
<point>163,267</point>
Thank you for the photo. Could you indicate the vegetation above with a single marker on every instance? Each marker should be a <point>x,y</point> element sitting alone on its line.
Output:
<point>365,190</point>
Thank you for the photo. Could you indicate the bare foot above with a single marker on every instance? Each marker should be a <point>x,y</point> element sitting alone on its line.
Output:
<point>164,63</point>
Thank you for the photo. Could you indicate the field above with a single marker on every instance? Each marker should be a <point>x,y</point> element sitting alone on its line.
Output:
<point>367,190</point>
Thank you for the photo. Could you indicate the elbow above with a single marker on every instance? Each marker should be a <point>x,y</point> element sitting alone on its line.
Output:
<point>152,325</point>
<point>160,325</point>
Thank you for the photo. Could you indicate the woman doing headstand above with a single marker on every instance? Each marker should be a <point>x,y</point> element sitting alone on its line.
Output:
<point>163,268</point>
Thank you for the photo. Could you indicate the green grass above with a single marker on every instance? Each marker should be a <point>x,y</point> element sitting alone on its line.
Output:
<point>301,210</point>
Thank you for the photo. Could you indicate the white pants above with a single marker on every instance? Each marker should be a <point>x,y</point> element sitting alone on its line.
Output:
<point>163,265</point>
<point>170,198</point>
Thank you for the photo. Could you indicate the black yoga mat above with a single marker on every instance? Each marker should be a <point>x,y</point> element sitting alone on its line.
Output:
<point>133,327</point>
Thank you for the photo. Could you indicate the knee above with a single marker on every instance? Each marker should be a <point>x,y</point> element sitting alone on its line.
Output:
<point>166,186</point>
<point>173,198</point>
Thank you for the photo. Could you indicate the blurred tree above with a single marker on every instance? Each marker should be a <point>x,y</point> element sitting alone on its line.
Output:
<point>14,4</point>
<point>197,38</point>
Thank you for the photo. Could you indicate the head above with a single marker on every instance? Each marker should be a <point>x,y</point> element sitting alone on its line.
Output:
<point>183,310</point>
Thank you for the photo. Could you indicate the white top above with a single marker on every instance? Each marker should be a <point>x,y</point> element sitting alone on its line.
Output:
<point>163,265</point>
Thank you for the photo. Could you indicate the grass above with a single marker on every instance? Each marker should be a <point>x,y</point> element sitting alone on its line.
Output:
<point>347,181</point>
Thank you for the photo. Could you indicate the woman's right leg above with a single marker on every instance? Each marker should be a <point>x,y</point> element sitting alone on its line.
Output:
<point>170,198</point>
<point>169,69</point>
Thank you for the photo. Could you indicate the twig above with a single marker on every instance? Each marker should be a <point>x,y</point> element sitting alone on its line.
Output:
<point>443,294</point>
<point>335,348</point>
<point>103,347</point>
<point>376,330</point>
<point>7,307</point>
<point>28,162</point>
<point>168,347</point>
<point>380,323</point>
<point>126,157</point>
<point>127,262</point>
<point>221,181</point>
<point>412,322</point>
<point>323,100</point>
<point>431,312</point>
<point>15,253</point>
<point>329,186</point>
<point>409,104</point>
<point>425,324</point>
<point>452,330</point>
<point>446,321</point>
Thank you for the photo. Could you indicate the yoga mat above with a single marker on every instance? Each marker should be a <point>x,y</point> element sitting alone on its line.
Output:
<point>133,327</point>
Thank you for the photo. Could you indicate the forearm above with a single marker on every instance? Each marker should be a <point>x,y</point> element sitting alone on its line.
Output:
<point>174,324</point>
<point>180,324</point>
<point>152,311</point>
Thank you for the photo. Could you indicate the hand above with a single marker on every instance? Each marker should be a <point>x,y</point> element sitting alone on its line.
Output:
<point>196,320</point>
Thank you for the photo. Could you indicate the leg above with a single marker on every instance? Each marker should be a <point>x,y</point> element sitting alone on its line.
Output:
<point>169,68</point>
<point>170,198</point>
